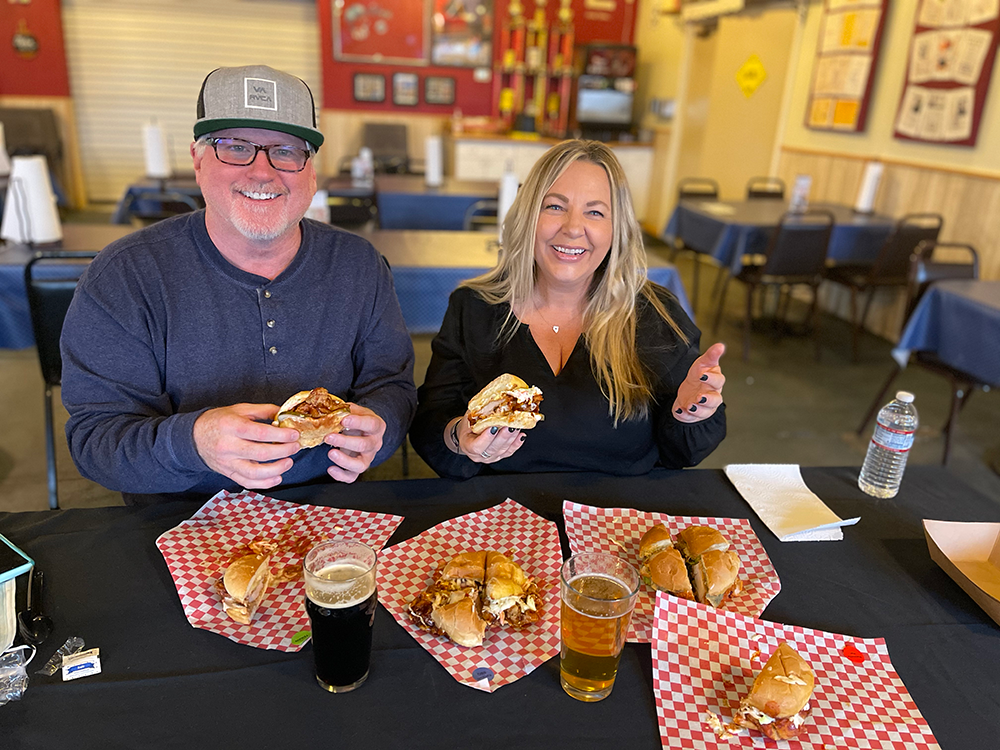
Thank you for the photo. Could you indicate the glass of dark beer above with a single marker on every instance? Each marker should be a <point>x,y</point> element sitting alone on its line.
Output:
<point>340,600</point>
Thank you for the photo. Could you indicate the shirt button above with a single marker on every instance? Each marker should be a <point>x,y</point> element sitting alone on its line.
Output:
<point>273,350</point>
<point>267,294</point>
<point>270,324</point>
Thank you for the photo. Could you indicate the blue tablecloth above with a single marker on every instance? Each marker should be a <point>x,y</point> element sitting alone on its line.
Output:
<point>959,321</point>
<point>729,230</point>
<point>423,292</point>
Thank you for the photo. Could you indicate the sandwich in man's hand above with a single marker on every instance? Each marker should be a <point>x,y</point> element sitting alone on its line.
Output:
<point>475,590</point>
<point>778,703</point>
<point>507,401</point>
<point>315,414</point>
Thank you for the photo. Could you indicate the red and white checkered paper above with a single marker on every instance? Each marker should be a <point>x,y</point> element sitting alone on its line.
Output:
<point>706,659</point>
<point>198,550</point>
<point>506,655</point>
<point>593,529</point>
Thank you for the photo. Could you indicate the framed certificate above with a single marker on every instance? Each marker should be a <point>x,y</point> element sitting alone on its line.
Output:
<point>405,89</point>
<point>439,90</point>
<point>369,87</point>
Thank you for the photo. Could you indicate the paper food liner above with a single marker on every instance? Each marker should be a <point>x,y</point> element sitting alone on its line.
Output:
<point>199,550</point>
<point>506,655</point>
<point>593,529</point>
<point>706,659</point>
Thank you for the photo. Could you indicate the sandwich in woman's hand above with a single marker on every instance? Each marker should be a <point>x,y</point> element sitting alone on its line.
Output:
<point>507,401</point>
<point>315,414</point>
<point>475,590</point>
<point>243,586</point>
<point>699,565</point>
<point>778,703</point>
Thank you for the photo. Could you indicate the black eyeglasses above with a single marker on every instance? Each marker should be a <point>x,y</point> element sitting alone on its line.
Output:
<point>238,152</point>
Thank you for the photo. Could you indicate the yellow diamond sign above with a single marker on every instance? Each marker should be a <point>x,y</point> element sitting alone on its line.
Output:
<point>751,75</point>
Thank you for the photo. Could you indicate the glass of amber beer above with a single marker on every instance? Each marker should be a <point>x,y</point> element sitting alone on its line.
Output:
<point>340,600</point>
<point>598,596</point>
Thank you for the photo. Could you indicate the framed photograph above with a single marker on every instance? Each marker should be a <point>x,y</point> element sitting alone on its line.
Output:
<point>369,87</point>
<point>405,89</point>
<point>462,33</point>
<point>387,31</point>
<point>439,90</point>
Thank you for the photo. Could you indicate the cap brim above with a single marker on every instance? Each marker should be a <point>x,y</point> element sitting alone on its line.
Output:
<point>309,135</point>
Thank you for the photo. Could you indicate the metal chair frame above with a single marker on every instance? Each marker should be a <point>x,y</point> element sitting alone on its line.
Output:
<point>890,269</point>
<point>924,271</point>
<point>795,254</point>
<point>48,301</point>
<point>693,188</point>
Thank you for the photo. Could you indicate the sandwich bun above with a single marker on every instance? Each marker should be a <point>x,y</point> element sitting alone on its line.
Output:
<point>315,414</point>
<point>778,701</point>
<point>461,622</point>
<point>506,401</point>
<point>655,540</point>
<point>694,541</point>
<point>466,565</point>
<point>666,571</point>
<point>243,586</point>
<point>716,577</point>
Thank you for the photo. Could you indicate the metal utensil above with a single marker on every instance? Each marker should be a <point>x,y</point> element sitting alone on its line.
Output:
<point>35,626</point>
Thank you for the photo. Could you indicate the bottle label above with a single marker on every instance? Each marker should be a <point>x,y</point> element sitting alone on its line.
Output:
<point>893,440</point>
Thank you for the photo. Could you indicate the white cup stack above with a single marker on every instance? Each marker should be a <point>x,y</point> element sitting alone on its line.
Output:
<point>29,213</point>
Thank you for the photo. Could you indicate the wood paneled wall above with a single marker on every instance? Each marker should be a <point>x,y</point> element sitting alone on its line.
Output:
<point>968,201</point>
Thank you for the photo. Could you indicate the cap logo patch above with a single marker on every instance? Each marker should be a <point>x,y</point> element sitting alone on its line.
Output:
<point>261,94</point>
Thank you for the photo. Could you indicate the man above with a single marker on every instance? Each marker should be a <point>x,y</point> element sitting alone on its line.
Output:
<point>184,336</point>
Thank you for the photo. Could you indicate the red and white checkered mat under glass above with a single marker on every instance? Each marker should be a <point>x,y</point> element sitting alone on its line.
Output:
<point>197,552</point>
<point>593,529</point>
<point>706,659</point>
<point>506,655</point>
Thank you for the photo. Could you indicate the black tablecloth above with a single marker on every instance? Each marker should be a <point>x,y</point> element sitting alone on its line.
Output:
<point>167,684</point>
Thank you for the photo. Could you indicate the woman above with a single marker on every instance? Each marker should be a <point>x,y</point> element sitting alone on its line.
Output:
<point>568,308</point>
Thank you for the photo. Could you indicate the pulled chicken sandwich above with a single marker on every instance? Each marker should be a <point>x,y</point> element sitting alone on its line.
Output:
<point>315,414</point>
<point>507,401</point>
<point>473,591</point>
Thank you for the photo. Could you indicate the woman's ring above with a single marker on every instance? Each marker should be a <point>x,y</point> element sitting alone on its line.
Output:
<point>486,454</point>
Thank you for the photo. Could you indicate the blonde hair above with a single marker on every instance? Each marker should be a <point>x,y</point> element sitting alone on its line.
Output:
<point>609,320</point>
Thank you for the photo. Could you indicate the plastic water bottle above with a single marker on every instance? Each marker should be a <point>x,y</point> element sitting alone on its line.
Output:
<point>890,446</point>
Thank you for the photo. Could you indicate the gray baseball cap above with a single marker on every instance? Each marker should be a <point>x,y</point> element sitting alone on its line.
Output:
<point>256,96</point>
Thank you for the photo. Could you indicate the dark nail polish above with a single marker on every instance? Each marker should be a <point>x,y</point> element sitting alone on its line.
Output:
<point>703,399</point>
<point>494,430</point>
<point>510,429</point>
<point>704,378</point>
<point>693,408</point>
<point>680,411</point>
<point>523,437</point>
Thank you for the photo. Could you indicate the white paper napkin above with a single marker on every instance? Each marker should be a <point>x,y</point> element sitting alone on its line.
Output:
<point>781,499</point>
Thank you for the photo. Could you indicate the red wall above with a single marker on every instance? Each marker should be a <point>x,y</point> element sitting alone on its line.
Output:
<point>471,97</point>
<point>45,74</point>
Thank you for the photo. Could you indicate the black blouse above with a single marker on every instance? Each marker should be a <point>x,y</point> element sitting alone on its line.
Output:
<point>578,433</point>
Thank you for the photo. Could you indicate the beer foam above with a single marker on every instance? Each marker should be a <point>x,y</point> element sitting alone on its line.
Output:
<point>340,585</point>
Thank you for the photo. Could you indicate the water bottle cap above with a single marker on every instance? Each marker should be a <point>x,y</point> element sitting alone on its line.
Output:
<point>905,396</point>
